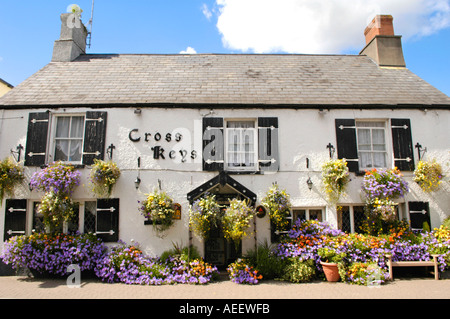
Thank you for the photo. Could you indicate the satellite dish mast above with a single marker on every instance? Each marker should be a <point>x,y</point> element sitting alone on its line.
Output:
<point>89,37</point>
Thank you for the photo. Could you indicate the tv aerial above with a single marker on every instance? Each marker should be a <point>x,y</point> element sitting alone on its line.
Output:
<point>89,37</point>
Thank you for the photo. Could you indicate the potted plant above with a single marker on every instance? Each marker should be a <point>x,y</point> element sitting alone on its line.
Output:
<point>428,175</point>
<point>11,174</point>
<point>279,207</point>
<point>236,220</point>
<point>103,177</point>
<point>158,209</point>
<point>203,214</point>
<point>331,260</point>
<point>335,177</point>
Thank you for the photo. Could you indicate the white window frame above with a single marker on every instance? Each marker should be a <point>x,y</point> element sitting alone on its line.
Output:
<point>253,168</point>
<point>387,142</point>
<point>52,136</point>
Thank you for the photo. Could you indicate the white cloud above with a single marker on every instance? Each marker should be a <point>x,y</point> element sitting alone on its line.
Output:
<point>188,50</point>
<point>325,26</point>
<point>206,12</point>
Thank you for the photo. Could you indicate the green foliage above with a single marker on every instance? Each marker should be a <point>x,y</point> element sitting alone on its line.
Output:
<point>236,220</point>
<point>11,174</point>
<point>158,208</point>
<point>265,260</point>
<point>182,253</point>
<point>299,271</point>
<point>103,177</point>
<point>335,177</point>
<point>204,213</point>
<point>278,205</point>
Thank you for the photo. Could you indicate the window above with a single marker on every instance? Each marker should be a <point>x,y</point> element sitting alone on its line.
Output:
<point>68,138</point>
<point>367,144</point>
<point>350,218</point>
<point>100,217</point>
<point>73,138</point>
<point>241,144</point>
<point>371,143</point>
<point>308,214</point>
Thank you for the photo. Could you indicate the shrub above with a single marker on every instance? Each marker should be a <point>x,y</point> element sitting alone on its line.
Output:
<point>299,271</point>
<point>264,259</point>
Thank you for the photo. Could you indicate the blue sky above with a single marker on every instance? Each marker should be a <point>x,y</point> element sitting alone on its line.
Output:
<point>29,29</point>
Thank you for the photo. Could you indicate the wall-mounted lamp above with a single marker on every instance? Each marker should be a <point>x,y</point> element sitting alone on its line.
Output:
<point>137,111</point>
<point>310,183</point>
<point>420,151</point>
<point>331,149</point>
<point>18,151</point>
<point>137,182</point>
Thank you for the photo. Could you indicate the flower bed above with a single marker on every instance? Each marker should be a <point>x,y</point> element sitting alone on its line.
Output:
<point>241,272</point>
<point>52,254</point>
<point>307,238</point>
<point>128,264</point>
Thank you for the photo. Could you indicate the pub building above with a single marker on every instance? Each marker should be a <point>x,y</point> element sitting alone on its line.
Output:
<point>231,125</point>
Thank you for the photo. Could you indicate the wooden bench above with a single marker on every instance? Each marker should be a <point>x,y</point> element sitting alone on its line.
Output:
<point>413,264</point>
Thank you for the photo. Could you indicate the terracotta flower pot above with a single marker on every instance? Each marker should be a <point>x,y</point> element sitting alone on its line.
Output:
<point>331,271</point>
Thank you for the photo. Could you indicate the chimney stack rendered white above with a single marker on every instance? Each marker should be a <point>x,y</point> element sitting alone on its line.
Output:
<point>72,41</point>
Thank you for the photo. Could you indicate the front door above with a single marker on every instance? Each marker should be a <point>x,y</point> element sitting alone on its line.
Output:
<point>219,251</point>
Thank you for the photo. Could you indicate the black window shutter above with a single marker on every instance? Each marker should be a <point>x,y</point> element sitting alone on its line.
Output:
<point>94,137</point>
<point>402,144</point>
<point>213,144</point>
<point>346,143</point>
<point>107,227</point>
<point>268,144</point>
<point>15,218</point>
<point>419,213</point>
<point>36,145</point>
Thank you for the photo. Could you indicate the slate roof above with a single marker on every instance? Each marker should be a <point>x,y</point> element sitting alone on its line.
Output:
<point>223,79</point>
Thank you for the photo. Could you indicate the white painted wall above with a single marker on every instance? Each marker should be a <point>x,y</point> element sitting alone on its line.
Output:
<point>302,134</point>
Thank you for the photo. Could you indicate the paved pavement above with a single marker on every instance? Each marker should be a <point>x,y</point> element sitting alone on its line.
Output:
<point>16,287</point>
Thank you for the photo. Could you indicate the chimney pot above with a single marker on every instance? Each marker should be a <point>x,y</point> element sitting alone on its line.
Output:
<point>380,25</point>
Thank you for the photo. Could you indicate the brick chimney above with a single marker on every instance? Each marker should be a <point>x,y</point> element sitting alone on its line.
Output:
<point>72,41</point>
<point>382,45</point>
